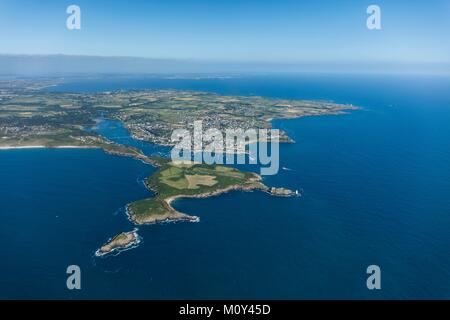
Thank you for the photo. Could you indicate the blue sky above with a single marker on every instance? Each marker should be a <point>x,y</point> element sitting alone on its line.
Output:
<point>228,30</point>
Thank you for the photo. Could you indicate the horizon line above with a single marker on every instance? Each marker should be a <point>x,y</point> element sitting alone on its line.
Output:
<point>224,61</point>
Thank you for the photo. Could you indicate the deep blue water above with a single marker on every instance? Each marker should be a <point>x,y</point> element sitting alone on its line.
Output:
<point>376,185</point>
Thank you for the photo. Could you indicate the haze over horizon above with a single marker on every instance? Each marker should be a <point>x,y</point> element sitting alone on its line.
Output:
<point>60,64</point>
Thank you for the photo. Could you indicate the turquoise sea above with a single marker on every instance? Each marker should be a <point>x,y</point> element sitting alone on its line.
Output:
<point>375,182</point>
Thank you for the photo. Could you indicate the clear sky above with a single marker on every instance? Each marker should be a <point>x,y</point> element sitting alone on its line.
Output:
<point>229,30</point>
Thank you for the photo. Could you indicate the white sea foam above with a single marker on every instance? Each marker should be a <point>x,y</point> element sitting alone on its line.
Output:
<point>117,251</point>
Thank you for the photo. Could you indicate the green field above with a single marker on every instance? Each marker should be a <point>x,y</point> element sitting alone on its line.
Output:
<point>188,180</point>
<point>151,115</point>
<point>174,179</point>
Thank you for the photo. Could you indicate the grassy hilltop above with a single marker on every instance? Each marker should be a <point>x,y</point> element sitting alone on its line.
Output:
<point>176,180</point>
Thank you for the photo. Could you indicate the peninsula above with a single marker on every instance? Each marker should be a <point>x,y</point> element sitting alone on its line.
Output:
<point>188,180</point>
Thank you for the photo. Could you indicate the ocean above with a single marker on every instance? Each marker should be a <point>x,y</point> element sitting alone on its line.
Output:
<point>374,182</point>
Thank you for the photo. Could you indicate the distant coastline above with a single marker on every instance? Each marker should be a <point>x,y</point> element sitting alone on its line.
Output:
<point>47,147</point>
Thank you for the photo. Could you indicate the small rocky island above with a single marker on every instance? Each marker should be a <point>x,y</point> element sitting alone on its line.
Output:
<point>282,192</point>
<point>122,241</point>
